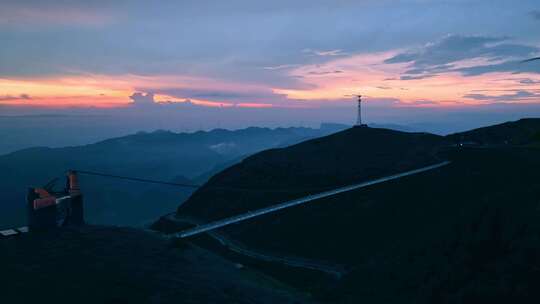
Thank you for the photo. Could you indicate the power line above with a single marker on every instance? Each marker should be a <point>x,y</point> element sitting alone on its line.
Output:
<point>136,179</point>
<point>195,186</point>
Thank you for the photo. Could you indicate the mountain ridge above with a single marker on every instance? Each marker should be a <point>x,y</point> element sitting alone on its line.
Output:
<point>161,155</point>
<point>304,160</point>
<point>457,234</point>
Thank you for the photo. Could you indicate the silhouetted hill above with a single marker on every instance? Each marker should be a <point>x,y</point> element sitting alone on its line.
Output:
<point>158,155</point>
<point>512,133</point>
<point>536,138</point>
<point>349,156</point>
<point>465,233</point>
<point>396,127</point>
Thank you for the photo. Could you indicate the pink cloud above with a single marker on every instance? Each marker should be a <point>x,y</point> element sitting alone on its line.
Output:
<point>369,75</point>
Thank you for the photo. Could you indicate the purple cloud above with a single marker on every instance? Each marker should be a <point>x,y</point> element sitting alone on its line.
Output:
<point>441,56</point>
<point>10,97</point>
<point>516,96</point>
<point>142,98</point>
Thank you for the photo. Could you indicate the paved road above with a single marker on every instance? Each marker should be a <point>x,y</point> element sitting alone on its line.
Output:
<point>251,214</point>
<point>329,268</point>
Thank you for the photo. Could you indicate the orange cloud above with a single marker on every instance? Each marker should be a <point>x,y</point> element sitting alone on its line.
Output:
<point>107,91</point>
<point>62,92</point>
<point>254,105</point>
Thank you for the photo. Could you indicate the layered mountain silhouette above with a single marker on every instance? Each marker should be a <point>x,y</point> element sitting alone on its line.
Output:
<point>182,157</point>
<point>467,232</point>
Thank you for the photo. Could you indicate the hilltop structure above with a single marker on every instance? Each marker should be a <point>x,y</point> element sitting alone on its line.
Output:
<point>359,117</point>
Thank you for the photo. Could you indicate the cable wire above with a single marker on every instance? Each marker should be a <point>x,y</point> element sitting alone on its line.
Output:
<point>144,180</point>
<point>196,186</point>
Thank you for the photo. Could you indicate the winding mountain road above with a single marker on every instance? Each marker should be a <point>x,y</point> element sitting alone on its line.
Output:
<point>334,270</point>
<point>251,214</point>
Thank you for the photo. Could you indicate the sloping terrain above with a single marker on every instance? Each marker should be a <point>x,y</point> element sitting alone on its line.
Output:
<point>465,233</point>
<point>508,133</point>
<point>111,265</point>
<point>159,155</point>
<point>350,156</point>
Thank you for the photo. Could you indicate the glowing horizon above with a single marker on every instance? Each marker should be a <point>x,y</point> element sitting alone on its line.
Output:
<point>364,73</point>
<point>281,56</point>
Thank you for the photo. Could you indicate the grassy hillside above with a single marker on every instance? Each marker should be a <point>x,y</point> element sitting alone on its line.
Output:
<point>457,230</point>
<point>465,233</point>
<point>536,139</point>
<point>346,157</point>
<point>509,133</point>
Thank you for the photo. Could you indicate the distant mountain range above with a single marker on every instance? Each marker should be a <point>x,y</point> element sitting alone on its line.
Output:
<point>161,155</point>
<point>459,234</point>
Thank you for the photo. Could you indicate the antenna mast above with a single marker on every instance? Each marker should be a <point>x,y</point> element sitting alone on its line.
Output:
<point>359,114</point>
<point>359,117</point>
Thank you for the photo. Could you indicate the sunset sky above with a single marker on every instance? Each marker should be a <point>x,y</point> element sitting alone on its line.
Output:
<point>264,54</point>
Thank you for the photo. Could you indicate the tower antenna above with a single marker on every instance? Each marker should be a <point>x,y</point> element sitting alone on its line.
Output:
<point>359,115</point>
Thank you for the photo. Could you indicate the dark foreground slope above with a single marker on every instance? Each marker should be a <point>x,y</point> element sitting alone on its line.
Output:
<point>339,159</point>
<point>111,265</point>
<point>465,233</point>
